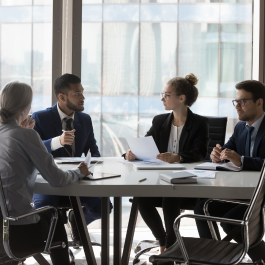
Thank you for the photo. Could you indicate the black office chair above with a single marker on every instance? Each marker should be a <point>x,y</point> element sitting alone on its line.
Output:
<point>25,253</point>
<point>217,131</point>
<point>213,251</point>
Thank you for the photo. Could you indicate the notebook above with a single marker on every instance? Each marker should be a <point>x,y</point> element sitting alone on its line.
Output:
<point>100,176</point>
<point>179,177</point>
<point>219,166</point>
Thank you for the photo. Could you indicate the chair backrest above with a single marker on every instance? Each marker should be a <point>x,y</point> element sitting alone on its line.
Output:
<point>217,129</point>
<point>254,214</point>
<point>3,204</point>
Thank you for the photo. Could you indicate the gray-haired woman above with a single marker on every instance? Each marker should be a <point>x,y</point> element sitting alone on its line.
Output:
<point>22,156</point>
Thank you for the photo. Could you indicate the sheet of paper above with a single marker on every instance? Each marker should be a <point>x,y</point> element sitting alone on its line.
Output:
<point>88,158</point>
<point>203,174</point>
<point>144,148</point>
<point>69,159</point>
<point>230,166</point>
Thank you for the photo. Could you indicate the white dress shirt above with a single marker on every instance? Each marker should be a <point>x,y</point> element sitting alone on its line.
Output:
<point>55,142</point>
<point>173,143</point>
<point>20,161</point>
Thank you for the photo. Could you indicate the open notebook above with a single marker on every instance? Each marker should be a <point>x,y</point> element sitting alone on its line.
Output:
<point>219,166</point>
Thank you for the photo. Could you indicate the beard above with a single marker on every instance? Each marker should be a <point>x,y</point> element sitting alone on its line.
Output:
<point>73,107</point>
<point>245,117</point>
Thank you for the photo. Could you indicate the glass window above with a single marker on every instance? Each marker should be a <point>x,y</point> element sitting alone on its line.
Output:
<point>198,54</point>
<point>158,56</point>
<point>26,47</point>
<point>131,48</point>
<point>120,58</point>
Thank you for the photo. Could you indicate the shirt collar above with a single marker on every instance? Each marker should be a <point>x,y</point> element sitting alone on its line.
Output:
<point>63,115</point>
<point>257,123</point>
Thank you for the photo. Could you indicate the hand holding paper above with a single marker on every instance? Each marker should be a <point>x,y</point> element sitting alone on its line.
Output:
<point>88,158</point>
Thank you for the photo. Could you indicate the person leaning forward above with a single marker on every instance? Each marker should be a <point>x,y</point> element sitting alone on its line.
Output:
<point>66,131</point>
<point>180,136</point>
<point>246,149</point>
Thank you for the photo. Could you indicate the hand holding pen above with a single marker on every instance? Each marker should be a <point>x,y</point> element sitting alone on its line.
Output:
<point>67,137</point>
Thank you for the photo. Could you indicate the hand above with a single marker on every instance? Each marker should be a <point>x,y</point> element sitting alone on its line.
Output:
<point>67,137</point>
<point>216,153</point>
<point>84,169</point>
<point>168,157</point>
<point>130,155</point>
<point>231,155</point>
<point>28,123</point>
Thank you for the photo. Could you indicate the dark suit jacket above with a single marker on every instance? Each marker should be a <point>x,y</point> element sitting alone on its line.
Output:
<point>237,143</point>
<point>49,125</point>
<point>194,138</point>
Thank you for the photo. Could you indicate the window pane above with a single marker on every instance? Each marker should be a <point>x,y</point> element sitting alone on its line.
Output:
<point>120,104</point>
<point>96,122</point>
<point>91,2</point>
<point>115,129</point>
<point>236,13</point>
<point>92,13</point>
<point>91,57</point>
<point>16,2</point>
<point>92,103</point>
<point>150,105</point>
<point>158,56</point>
<point>120,56</point>
<point>199,13</point>
<point>206,106</point>
<point>159,12</point>
<point>198,54</point>
<point>236,39</point>
<point>121,13</point>
<point>145,124</point>
<point>26,48</point>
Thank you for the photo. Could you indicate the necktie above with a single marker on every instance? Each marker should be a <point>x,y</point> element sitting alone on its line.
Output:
<point>69,127</point>
<point>248,141</point>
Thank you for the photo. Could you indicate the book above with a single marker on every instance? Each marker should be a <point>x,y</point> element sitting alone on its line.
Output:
<point>218,166</point>
<point>179,177</point>
<point>157,166</point>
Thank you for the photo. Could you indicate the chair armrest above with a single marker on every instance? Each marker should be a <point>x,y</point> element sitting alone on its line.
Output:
<point>206,212</point>
<point>40,210</point>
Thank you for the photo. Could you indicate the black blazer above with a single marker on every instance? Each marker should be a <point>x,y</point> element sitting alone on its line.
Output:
<point>194,138</point>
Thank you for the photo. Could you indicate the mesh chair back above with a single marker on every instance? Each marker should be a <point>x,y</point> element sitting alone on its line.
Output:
<point>255,212</point>
<point>217,129</point>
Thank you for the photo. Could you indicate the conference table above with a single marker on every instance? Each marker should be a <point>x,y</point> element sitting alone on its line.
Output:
<point>226,185</point>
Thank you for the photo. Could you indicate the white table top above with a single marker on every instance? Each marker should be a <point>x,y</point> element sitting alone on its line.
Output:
<point>233,185</point>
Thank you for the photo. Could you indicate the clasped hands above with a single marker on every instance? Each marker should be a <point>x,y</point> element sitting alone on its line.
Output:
<point>218,155</point>
<point>166,157</point>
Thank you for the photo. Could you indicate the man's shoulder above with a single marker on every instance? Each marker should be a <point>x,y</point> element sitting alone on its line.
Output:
<point>83,116</point>
<point>240,125</point>
<point>42,113</point>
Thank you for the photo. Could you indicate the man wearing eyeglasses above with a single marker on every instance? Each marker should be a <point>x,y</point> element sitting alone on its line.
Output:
<point>246,149</point>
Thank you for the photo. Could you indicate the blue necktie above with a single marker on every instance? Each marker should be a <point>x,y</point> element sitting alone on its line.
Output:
<point>248,141</point>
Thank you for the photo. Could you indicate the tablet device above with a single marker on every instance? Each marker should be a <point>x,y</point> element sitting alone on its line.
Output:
<point>100,176</point>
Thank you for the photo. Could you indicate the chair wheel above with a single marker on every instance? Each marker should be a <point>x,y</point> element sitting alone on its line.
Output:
<point>137,249</point>
<point>135,261</point>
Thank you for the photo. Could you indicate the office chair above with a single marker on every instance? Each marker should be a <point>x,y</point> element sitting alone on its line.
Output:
<point>214,251</point>
<point>217,131</point>
<point>25,253</point>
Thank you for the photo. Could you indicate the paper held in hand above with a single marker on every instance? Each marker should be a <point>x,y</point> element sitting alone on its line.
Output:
<point>144,148</point>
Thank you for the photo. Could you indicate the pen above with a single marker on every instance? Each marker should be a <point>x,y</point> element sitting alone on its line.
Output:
<point>141,180</point>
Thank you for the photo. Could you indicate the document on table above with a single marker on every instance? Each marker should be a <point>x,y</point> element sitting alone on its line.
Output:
<point>157,166</point>
<point>218,166</point>
<point>144,148</point>
<point>201,174</point>
<point>71,160</point>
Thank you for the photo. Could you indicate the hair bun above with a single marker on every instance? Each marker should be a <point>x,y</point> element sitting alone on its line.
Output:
<point>192,78</point>
<point>4,113</point>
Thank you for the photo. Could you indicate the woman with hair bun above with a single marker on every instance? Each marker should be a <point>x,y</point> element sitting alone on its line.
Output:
<point>180,136</point>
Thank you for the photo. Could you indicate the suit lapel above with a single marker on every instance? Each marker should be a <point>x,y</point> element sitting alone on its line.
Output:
<point>78,133</point>
<point>165,133</point>
<point>185,131</point>
<point>260,134</point>
<point>243,138</point>
<point>57,120</point>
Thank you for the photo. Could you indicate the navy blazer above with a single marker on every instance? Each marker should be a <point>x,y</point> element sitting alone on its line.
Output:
<point>49,125</point>
<point>237,143</point>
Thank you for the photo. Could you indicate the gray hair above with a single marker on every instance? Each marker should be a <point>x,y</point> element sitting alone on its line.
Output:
<point>14,98</point>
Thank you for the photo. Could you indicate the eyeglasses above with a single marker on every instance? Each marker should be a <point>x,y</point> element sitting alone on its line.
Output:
<point>165,96</point>
<point>241,102</point>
